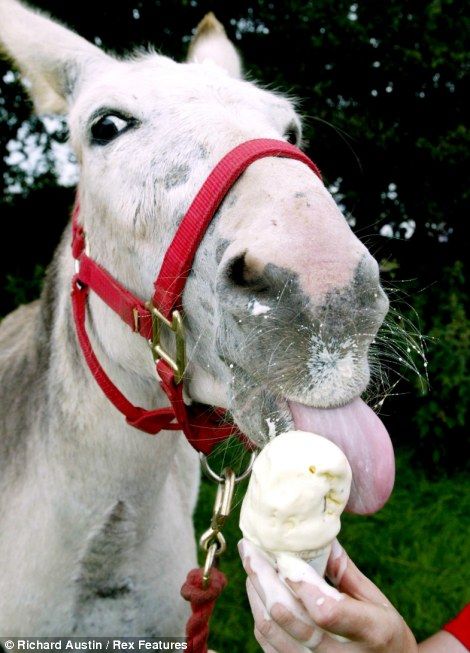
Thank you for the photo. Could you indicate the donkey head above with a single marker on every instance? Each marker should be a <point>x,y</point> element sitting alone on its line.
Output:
<point>283,300</point>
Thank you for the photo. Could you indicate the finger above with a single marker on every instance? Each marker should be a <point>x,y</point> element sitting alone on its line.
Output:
<point>331,610</point>
<point>323,643</point>
<point>263,642</point>
<point>344,574</point>
<point>328,644</point>
<point>307,635</point>
<point>271,633</point>
<point>277,598</point>
<point>356,620</point>
<point>257,606</point>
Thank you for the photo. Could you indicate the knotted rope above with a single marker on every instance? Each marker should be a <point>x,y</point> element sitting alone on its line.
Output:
<point>202,602</point>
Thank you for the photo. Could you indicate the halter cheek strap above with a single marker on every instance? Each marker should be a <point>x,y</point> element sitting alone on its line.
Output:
<point>203,427</point>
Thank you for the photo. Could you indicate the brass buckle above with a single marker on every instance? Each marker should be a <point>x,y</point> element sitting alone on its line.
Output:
<point>176,325</point>
<point>212,541</point>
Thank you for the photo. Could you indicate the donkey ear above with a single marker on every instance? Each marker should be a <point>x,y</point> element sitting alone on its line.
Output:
<point>50,56</point>
<point>210,43</point>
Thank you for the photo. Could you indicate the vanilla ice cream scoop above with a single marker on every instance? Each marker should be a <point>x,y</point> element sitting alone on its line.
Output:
<point>298,489</point>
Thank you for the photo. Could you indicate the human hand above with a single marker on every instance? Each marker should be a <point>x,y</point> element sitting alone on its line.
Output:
<point>295,622</point>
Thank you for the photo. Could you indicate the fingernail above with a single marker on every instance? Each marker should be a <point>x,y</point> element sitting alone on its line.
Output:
<point>244,556</point>
<point>337,564</point>
<point>314,640</point>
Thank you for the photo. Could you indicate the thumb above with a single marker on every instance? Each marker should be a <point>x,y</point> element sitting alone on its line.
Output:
<point>344,575</point>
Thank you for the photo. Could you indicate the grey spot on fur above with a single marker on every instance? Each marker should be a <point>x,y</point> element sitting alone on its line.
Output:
<point>220,249</point>
<point>202,151</point>
<point>114,592</point>
<point>231,200</point>
<point>357,308</point>
<point>300,195</point>
<point>71,74</point>
<point>176,176</point>
<point>102,573</point>
<point>76,356</point>
<point>137,213</point>
<point>261,403</point>
<point>211,228</point>
<point>207,307</point>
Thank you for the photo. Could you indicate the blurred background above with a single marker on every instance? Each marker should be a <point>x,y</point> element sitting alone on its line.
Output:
<point>382,89</point>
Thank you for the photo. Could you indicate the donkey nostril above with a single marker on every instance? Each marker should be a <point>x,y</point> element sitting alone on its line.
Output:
<point>240,274</point>
<point>236,271</point>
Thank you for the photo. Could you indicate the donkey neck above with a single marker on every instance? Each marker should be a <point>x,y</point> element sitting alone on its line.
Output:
<point>80,415</point>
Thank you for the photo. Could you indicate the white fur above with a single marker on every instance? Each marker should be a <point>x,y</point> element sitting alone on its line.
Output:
<point>81,459</point>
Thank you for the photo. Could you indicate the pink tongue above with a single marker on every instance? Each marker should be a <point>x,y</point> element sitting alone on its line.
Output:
<point>363,438</point>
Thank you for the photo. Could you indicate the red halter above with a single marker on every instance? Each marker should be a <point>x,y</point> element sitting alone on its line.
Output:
<point>202,427</point>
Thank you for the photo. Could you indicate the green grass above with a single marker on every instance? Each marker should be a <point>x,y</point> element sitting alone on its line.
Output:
<point>416,550</point>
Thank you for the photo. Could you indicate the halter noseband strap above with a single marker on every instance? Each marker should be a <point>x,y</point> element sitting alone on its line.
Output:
<point>203,427</point>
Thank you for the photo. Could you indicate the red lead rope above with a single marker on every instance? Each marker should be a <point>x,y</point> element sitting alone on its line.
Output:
<point>203,427</point>
<point>202,602</point>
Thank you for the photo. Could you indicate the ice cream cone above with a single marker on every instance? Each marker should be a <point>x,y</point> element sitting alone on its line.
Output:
<point>320,560</point>
<point>298,489</point>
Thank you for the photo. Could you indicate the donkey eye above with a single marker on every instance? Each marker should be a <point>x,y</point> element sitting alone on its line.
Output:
<point>106,128</point>
<point>292,134</point>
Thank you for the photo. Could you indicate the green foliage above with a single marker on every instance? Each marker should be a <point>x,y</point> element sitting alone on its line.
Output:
<point>421,365</point>
<point>415,549</point>
<point>442,411</point>
<point>24,290</point>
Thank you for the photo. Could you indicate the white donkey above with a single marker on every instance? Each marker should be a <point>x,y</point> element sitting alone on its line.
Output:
<point>96,531</point>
